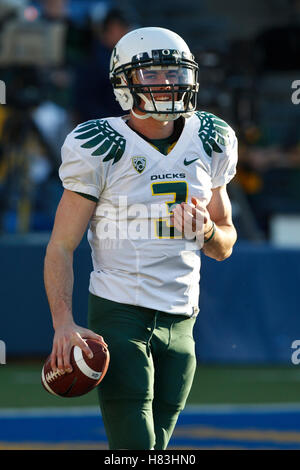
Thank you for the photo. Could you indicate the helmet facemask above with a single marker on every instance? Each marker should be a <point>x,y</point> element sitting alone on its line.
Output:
<point>163,92</point>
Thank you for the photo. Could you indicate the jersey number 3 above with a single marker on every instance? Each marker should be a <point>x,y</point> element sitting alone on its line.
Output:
<point>179,191</point>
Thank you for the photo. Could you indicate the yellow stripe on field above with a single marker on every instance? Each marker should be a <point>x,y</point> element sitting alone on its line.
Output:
<point>237,434</point>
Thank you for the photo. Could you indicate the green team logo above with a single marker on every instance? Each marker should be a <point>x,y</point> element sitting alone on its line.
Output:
<point>213,132</point>
<point>139,164</point>
<point>99,135</point>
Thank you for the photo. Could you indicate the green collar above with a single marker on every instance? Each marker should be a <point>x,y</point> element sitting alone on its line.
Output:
<point>164,146</point>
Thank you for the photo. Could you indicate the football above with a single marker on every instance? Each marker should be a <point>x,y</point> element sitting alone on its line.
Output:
<point>85,376</point>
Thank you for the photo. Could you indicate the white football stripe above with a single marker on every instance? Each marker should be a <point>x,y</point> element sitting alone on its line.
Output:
<point>46,384</point>
<point>82,365</point>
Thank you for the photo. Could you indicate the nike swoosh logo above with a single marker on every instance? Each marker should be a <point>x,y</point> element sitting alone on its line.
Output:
<point>186,162</point>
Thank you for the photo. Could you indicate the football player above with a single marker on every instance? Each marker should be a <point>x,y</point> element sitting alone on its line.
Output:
<point>151,186</point>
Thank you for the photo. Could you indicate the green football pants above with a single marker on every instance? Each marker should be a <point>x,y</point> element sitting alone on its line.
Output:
<point>151,370</point>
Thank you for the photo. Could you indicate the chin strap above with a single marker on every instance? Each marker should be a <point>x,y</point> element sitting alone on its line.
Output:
<point>162,116</point>
<point>158,117</point>
<point>140,116</point>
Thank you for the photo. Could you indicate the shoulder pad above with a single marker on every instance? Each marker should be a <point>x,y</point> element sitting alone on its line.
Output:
<point>213,132</point>
<point>99,133</point>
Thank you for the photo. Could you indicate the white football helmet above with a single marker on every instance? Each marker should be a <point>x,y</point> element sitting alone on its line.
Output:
<point>153,71</point>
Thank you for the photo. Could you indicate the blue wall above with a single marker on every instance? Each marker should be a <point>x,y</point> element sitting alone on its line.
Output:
<point>249,304</point>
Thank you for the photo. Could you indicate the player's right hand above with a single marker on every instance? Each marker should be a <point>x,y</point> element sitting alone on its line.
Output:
<point>66,336</point>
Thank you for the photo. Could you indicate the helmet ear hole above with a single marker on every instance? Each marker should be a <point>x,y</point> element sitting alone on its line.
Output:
<point>124,98</point>
<point>115,81</point>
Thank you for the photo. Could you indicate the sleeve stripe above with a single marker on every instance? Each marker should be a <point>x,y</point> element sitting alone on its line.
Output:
<point>87,196</point>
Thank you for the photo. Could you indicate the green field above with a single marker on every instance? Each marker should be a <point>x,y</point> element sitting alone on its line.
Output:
<point>20,386</point>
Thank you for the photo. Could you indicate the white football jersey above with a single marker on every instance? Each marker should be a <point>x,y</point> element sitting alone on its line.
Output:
<point>138,256</point>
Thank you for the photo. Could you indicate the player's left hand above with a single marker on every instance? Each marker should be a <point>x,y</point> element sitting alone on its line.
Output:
<point>192,219</point>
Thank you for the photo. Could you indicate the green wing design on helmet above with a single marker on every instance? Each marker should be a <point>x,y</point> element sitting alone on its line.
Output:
<point>213,132</point>
<point>98,133</point>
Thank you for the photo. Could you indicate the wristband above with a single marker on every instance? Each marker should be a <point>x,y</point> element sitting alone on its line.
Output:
<point>213,233</point>
<point>212,226</point>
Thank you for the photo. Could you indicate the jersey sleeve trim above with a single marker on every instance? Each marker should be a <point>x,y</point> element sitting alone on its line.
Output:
<point>78,187</point>
<point>88,196</point>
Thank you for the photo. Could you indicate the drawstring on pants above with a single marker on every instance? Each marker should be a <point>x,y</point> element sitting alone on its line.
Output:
<point>151,334</point>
